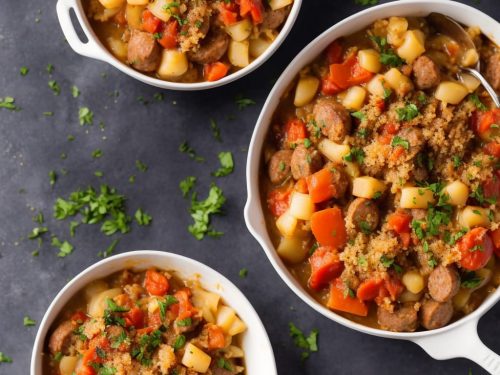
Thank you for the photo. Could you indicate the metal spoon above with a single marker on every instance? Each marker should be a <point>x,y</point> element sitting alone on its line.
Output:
<point>447,26</point>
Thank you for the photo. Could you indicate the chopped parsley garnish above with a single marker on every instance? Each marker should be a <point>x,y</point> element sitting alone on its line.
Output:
<point>187,185</point>
<point>307,143</point>
<point>98,173</point>
<point>118,340</point>
<point>421,97</point>
<point>387,93</point>
<point>49,68</point>
<point>227,164</point>
<point>65,248</point>
<point>201,211</point>
<point>8,103</point>
<point>24,70</point>
<point>362,261</point>
<point>356,154</point>
<point>4,358</point>
<point>109,250</point>
<point>377,195</point>
<point>28,322</point>
<point>359,115</point>
<point>366,2</point>
<point>457,161</point>
<point>243,273</point>
<point>408,112</point>
<point>215,130</point>
<point>470,280</point>
<point>477,102</point>
<point>111,316</point>
<point>75,92</point>
<point>365,227</point>
<point>96,154</point>
<point>52,177</point>
<point>38,218</point>
<point>387,55</point>
<point>179,342</point>
<point>163,305</point>
<point>363,133</point>
<point>186,149</point>
<point>142,218</point>
<point>389,262</point>
<point>54,86</point>
<point>48,114</point>
<point>141,166</point>
<point>224,364</point>
<point>86,116</point>
<point>398,141</point>
<point>309,344</point>
<point>184,322</point>
<point>478,195</point>
<point>158,96</point>
<point>147,346</point>
<point>37,232</point>
<point>243,102</point>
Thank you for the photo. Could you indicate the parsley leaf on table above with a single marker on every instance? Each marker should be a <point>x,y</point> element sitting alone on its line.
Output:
<point>187,185</point>
<point>309,343</point>
<point>201,211</point>
<point>86,116</point>
<point>227,164</point>
<point>142,218</point>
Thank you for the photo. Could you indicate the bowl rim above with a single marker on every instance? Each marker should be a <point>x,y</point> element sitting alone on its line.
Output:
<point>131,257</point>
<point>102,53</point>
<point>253,212</point>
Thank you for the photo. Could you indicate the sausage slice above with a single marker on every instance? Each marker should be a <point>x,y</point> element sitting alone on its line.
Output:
<point>493,71</point>
<point>211,49</point>
<point>364,214</point>
<point>279,166</point>
<point>274,18</point>
<point>403,319</point>
<point>143,51</point>
<point>61,338</point>
<point>444,283</point>
<point>305,161</point>
<point>434,314</point>
<point>426,73</point>
<point>332,118</point>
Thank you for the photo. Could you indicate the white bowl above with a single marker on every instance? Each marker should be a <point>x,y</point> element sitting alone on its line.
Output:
<point>93,48</point>
<point>444,343</point>
<point>259,357</point>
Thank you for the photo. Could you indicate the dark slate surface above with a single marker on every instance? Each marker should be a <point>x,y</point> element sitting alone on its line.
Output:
<point>31,145</point>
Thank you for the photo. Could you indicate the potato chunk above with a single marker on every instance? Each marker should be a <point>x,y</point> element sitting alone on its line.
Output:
<point>369,59</point>
<point>238,53</point>
<point>457,193</point>
<point>397,81</point>
<point>239,31</point>
<point>333,151</point>
<point>416,197</point>
<point>474,216</point>
<point>306,90</point>
<point>413,45</point>
<point>173,64</point>
<point>354,98</point>
<point>287,224</point>
<point>292,250</point>
<point>301,206</point>
<point>196,359</point>
<point>451,92</point>
<point>413,281</point>
<point>367,187</point>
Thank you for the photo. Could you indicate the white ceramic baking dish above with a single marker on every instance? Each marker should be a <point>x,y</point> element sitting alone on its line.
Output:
<point>93,48</point>
<point>259,357</point>
<point>459,339</point>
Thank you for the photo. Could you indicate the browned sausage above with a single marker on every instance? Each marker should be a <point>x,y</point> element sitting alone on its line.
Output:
<point>332,118</point>
<point>444,283</point>
<point>403,319</point>
<point>274,18</point>
<point>61,338</point>
<point>305,161</point>
<point>143,51</point>
<point>364,214</point>
<point>415,138</point>
<point>435,314</point>
<point>426,73</point>
<point>279,166</point>
<point>211,49</point>
<point>422,259</point>
<point>493,71</point>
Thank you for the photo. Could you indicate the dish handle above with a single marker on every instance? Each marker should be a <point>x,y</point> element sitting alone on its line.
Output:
<point>90,48</point>
<point>462,341</point>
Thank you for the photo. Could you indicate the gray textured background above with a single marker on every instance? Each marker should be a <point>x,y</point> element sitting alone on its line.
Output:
<point>31,145</point>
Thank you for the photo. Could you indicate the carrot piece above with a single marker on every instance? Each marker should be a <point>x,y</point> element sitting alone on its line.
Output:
<point>328,87</point>
<point>89,357</point>
<point>155,283</point>
<point>399,222</point>
<point>476,248</point>
<point>295,130</point>
<point>334,53</point>
<point>369,289</point>
<point>321,185</point>
<point>328,227</point>
<point>301,186</point>
<point>493,149</point>
<point>349,73</point>
<point>325,266</point>
<point>215,71</point>
<point>216,339</point>
<point>228,13</point>
<point>186,309</point>
<point>487,119</point>
<point>150,22</point>
<point>397,152</point>
<point>359,74</point>
<point>168,38</point>
<point>254,8</point>
<point>278,200</point>
<point>342,301</point>
<point>134,317</point>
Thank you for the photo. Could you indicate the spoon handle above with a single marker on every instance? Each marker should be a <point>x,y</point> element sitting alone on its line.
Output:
<point>486,85</point>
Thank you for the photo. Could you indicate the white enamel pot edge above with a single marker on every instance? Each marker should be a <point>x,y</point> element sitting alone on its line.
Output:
<point>259,354</point>
<point>459,339</point>
<point>96,50</point>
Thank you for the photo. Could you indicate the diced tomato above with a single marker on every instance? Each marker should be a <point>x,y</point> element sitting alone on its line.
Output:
<point>186,309</point>
<point>369,289</point>
<point>322,186</point>
<point>399,222</point>
<point>495,237</point>
<point>334,53</point>
<point>89,357</point>
<point>156,283</point>
<point>168,38</point>
<point>79,317</point>
<point>397,153</point>
<point>349,73</point>
<point>134,317</point>
<point>380,104</point>
<point>390,128</point>
<point>328,227</point>
<point>325,266</point>
<point>482,122</point>
<point>145,331</point>
<point>385,139</point>
<point>476,248</point>
<point>301,186</point>
<point>295,130</point>
<point>394,286</point>
<point>493,149</point>
<point>328,87</point>
<point>215,71</point>
<point>216,339</point>
<point>228,13</point>
<point>254,8</point>
<point>342,301</point>
<point>278,200</point>
<point>150,22</point>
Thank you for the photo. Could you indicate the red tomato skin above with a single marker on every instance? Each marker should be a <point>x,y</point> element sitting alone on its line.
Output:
<point>477,258</point>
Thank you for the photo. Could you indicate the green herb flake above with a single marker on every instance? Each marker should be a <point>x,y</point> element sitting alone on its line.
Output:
<point>28,322</point>
<point>96,154</point>
<point>201,212</point>
<point>9,103</point>
<point>366,2</point>
<point>359,115</point>
<point>243,273</point>
<point>187,185</point>
<point>307,343</point>
<point>24,71</point>
<point>52,177</point>
<point>86,116</point>
<point>215,130</point>
<point>398,141</point>
<point>184,322</point>
<point>37,232</point>
<point>227,164</point>
<point>54,86</point>
<point>470,280</point>
<point>356,154</point>
<point>224,364</point>
<point>4,358</point>
<point>49,68</point>
<point>186,149</point>
<point>408,112</point>
<point>179,342</point>
<point>75,92</point>
<point>142,218</point>
<point>243,102</point>
<point>457,161</point>
<point>474,98</point>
